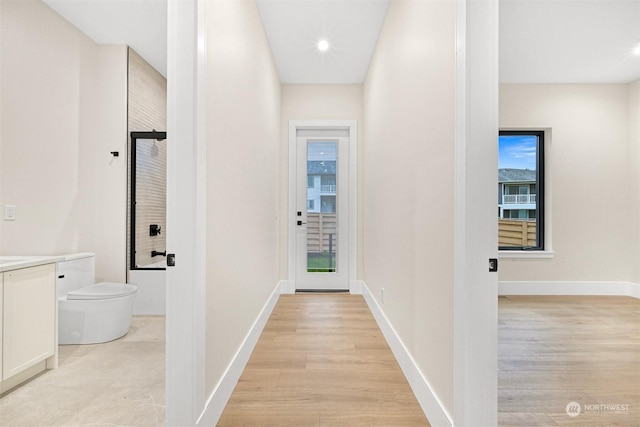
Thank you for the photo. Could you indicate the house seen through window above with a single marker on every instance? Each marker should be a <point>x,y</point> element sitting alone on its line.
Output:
<point>322,222</point>
<point>521,190</point>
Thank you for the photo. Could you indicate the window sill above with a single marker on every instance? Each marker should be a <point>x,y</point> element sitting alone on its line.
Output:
<point>526,254</point>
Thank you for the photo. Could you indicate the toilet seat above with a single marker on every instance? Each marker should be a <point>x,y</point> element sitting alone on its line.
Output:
<point>102,290</point>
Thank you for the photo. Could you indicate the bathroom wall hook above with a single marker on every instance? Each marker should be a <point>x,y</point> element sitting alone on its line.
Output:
<point>115,153</point>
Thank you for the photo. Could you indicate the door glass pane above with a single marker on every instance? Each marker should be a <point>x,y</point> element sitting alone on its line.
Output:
<point>322,237</point>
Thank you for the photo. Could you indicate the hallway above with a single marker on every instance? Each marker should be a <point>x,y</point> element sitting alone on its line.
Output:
<point>322,361</point>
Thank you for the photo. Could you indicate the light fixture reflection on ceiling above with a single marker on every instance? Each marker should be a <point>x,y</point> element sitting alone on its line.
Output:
<point>323,45</point>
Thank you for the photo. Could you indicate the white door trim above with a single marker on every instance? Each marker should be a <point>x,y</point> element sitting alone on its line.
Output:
<point>475,311</point>
<point>186,214</point>
<point>352,126</point>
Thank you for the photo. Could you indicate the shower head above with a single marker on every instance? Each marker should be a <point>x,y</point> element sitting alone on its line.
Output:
<point>160,136</point>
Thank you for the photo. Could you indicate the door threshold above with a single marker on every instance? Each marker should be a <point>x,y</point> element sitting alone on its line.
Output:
<point>325,291</point>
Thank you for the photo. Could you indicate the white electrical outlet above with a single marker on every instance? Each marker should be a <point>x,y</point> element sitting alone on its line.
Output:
<point>382,294</point>
<point>9,212</point>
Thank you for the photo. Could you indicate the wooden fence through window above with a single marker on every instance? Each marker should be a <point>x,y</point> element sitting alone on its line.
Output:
<point>321,225</point>
<point>516,233</point>
<point>319,228</point>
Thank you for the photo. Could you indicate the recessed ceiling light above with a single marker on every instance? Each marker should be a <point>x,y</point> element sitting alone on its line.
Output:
<point>323,45</point>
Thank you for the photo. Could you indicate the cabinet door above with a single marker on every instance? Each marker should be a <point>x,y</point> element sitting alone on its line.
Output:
<point>29,317</point>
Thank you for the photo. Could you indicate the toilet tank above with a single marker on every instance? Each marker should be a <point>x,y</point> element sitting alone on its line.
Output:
<point>74,272</point>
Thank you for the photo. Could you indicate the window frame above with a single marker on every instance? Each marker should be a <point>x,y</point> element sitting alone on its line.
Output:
<point>540,190</point>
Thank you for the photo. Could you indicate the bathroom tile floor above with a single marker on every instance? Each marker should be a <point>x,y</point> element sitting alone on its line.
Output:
<point>119,383</point>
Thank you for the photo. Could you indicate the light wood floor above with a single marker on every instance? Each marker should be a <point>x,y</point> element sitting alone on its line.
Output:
<point>322,361</point>
<point>557,350</point>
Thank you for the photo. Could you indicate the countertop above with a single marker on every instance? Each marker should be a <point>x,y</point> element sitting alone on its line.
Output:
<point>8,263</point>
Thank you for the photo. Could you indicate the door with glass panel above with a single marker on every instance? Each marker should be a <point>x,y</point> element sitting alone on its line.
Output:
<point>321,217</point>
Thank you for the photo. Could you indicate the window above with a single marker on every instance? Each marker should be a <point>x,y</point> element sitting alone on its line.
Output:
<point>328,184</point>
<point>328,180</point>
<point>526,214</point>
<point>310,181</point>
<point>328,204</point>
<point>521,190</point>
<point>310,205</point>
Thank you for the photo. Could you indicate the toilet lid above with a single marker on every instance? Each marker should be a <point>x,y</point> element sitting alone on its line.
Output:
<point>103,290</point>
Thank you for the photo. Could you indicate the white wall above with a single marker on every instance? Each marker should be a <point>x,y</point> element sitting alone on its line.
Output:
<point>315,102</point>
<point>63,103</point>
<point>243,136</point>
<point>1,126</point>
<point>634,158</point>
<point>593,208</point>
<point>103,178</point>
<point>408,174</point>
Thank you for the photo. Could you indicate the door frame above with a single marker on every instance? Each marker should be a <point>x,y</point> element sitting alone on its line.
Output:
<point>185,385</point>
<point>352,126</point>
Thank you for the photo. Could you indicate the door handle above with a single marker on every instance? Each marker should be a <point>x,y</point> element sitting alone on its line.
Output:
<point>300,222</point>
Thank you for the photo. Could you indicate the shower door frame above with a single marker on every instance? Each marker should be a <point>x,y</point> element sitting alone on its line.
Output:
<point>149,135</point>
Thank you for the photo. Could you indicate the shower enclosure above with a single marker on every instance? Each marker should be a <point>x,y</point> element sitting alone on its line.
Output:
<point>146,188</point>
<point>147,201</point>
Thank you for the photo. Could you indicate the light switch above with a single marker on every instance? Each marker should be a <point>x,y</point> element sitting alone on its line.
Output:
<point>9,212</point>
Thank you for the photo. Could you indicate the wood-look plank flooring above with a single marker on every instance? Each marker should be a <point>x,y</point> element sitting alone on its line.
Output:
<point>322,361</point>
<point>554,350</point>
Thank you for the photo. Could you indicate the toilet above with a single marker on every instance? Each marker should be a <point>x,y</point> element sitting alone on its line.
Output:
<point>89,312</point>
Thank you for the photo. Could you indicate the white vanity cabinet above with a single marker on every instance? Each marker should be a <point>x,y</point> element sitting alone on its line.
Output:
<point>28,309</point>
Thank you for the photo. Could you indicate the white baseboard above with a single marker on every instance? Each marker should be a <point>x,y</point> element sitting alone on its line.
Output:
<point>427,399</point>
<point>355,287</point>
<point>570,288</point>
<point>222,392</point>
<point>287,287</point>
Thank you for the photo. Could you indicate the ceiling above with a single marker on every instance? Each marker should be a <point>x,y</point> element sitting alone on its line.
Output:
<point>294,28</point>
<point>541,41</point>
<point>569,41</point>
<point>141,24</point>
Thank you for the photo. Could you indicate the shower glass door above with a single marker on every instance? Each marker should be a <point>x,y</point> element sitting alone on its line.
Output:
<point>148,201</point>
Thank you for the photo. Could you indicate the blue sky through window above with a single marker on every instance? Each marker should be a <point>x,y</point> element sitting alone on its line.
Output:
<point>517,152</point>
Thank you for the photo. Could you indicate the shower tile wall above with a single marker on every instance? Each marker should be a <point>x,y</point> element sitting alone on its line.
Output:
<point>147,110</point>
